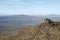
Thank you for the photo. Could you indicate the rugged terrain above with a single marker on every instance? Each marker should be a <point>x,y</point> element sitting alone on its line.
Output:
<point>47,30</point>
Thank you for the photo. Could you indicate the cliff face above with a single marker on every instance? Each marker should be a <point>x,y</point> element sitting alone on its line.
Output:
<point>48,30</point>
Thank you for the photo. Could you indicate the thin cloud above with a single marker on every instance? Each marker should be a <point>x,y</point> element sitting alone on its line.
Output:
<point>12,1</point>
<point>22,1</point>
<point>29,11</point>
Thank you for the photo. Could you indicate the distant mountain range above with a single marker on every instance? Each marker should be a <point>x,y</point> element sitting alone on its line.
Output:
<point>9,24</point>
<point>21,19</point>
<point>26,19</point>
<point>12,23</point>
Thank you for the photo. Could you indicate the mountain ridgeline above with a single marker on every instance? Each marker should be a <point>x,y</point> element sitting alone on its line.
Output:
<point>47,30</point>
<point>10,24</point>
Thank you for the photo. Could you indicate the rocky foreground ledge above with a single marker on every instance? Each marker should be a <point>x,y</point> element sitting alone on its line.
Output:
<point>49,22</point>
<point>47,30</point>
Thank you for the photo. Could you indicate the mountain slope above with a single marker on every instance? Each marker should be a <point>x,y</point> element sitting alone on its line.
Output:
<point>48,30</point>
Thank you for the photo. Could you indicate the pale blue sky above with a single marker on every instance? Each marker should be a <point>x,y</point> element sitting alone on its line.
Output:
<point>29,7</point>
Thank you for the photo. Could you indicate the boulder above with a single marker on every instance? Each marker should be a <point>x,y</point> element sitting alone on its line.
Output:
<point>47,21</point>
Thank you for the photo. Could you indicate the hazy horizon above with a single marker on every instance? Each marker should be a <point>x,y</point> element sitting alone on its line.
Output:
<point>29,7</point>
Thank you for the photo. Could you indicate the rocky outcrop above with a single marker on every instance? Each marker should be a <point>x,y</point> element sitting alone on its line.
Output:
<point>49,22</point>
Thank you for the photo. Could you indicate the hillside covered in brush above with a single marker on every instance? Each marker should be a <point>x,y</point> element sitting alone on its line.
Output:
<point>47,30</point>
